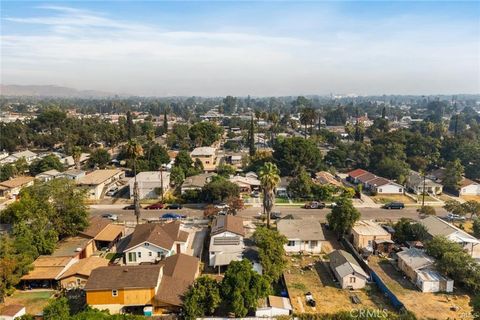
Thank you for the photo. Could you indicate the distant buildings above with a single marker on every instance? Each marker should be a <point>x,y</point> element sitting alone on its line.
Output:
<point>11,188</point>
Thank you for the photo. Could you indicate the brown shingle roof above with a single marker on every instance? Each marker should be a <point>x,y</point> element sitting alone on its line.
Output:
<point>228,223</point>
<point>123,277</point>
<point>179,272</point>
<point>11,310</point>
<point>99,176</point>
<point>85,266</point>
<point>110,233</point>
<point>466,182</point>
<point>16,182</point>
<point>97,224</point>
<point>366,177</point>
<point>162,235</point>
<point>47,268</point>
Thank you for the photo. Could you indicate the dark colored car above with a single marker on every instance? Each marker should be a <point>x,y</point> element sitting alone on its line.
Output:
<point>155,206</point>
<point>394,205</point>
<point>173,206</point>
<point>275,215</point>
<point>129,207</point>
<point>174,216</point>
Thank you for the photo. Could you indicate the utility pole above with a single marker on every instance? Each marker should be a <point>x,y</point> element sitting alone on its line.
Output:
<point>161,181</point>
<point>423,193</point>
<point>136,201</point>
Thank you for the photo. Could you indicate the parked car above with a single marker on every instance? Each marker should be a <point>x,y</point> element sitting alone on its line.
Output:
<point>174,216</point>
<point>221,206</point>
<point>155,206</point>
<point>314,205</point>
<point>310,300</point>
<point>129,207</point>
<point>394,205</point>
<point>255,194</point>
<point>173,206</point>
<point>112,191</point>
<point>453,216</point>
<point>110,216</point>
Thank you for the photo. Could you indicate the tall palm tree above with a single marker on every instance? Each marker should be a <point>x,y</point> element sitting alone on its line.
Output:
<point>269,176</point>
<point>135,150</point>
<point>308,116</point>
<point>76,155</point>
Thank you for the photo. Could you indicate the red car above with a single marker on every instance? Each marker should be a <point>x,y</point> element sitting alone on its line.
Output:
<point>155,206</point>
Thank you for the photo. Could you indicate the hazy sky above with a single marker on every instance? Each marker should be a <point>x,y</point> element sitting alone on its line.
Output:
<point>241,48</point>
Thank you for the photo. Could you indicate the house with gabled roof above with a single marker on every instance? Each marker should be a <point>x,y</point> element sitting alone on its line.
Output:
<point>103,232</point>
<point>152,242</point>
<point>11,188</point>
<point>347,270</point>
<point>77,275</point>
<point>226,240</point>
<point>303,235</point>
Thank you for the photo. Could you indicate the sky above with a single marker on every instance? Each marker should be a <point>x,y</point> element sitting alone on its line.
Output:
<point>267,48</point>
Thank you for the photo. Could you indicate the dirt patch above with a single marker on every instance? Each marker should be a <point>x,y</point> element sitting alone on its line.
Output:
<point>424,305</point>
<point>467,198</point>
<point>382,199</point>
<point>34,301</point>
<point>319,281</point>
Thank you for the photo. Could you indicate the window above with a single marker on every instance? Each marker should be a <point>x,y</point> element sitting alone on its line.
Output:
<point>114,293</point>
<point>313,244</point>
<point>291,243</point>
<point>139,254</point>
<point>159,254</point>
<point>132,256</point>
<point>400,190</point>
<point>150,254</point>
<point>207,162</point>
<point>79,281</point>
<point>369,243</point>
<point>380,190</point>
<point>147,244</point>
<point>353,279</point>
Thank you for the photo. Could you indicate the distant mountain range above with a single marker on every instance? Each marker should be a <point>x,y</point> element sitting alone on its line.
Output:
<point>50,91</point>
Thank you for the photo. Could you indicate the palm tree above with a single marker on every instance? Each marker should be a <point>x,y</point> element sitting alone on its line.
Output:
<point>135,150</point>
<point>269,178</point>
<point>76,155</point>
<point>308,116</point>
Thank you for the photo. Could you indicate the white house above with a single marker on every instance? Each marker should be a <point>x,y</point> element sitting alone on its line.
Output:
<point>384,186</point>
<point>246,184</point>
<point>12,187</point>
<point>150,184</point>
<point>347,270</point>
<point>469,188</point>
<point>73,174</point>
<point>415,183</point>
<point>274,306</point>
<point>48,175</point>
<point>152,242</point>
<point>27,154</point>
<point>439,227</point>
<point>99,181</point>
<point>12,311</point>
<point>226,240</point>
<point>302,235</point>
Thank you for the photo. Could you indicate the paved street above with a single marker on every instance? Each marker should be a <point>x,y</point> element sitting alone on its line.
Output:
<point>367,213</point>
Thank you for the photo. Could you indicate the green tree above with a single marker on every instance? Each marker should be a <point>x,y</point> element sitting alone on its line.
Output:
<point>49,162</point>
<point>7,171</point>
<point>205,133</point>
<point>300,186</point>
<point>271,252</point>
<point>242,287</point>
<point>202,299</point>
<point>476,307</point>
<point>226,170</point>
<point>251,138</point>
<point>407,230</point>
<point>292,153</point>
<point>476,227</point>
<point>158,156</point>
<point>471,207</point>
<point>453,175</point>
<point>427,210</point>
<point>99,158</point>
<point>229,104</point>
<point>177,176</point>
<point>343,216</point>
<point>57,309</point>
<point>76,155</point>
<point>392,169</point>
<point>219,189</point>
<point>184,161</point>
<point>454,207</point>
<point>269,179</point>
<point>21,165</point>
<point>165,121</point>
<point>131,129</point>
<point>308,116</point>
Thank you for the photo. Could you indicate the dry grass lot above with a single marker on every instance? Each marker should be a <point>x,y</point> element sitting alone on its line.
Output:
<point>382,199</point>
<point>329,298</point>
<point>34,301</point>
<point>424,305</point>
<point>467,198</point>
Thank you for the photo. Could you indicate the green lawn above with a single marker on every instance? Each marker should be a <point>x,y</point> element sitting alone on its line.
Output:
<point>34,301</point>
<point>281,200</point>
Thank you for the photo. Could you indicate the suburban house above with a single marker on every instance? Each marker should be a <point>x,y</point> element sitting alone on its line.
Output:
<point>152,242</point>
<point>374,183</point>
<point>72,174</point>
<point>77,275</point>
<point>104,233</point>
<point>469,188</point>
<point>439,227</point>
<point>415,183</point>
<point>12,312</point>
<point>346,269</point>
<point>27,154</point>
<point>207,155</point>
<point>246,184</point>
<point>46,271</point>
<point>326,178</point>
<point>47,175</point>
<point>11,188</point>
<point>274,306</point>
<point>69,162</point>
<point>99,181</point>
<point>302,235</point>
<point>419,268</point>
<point>150,184</point>
<point>155,289</point>
<point>366,232</point>
<point>226,240</point>
<point>234,160</point>
<point>196,182</point>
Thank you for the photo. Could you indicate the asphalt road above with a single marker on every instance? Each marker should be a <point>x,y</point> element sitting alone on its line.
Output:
<point>367,213</point>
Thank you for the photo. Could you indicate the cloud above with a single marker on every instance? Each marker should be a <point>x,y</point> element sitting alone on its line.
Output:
<point>89,50</point>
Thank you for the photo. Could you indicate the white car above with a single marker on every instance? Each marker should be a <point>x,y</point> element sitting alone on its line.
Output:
<point>221,206</point>
<point>452,216</point>
<point>110,216</point>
